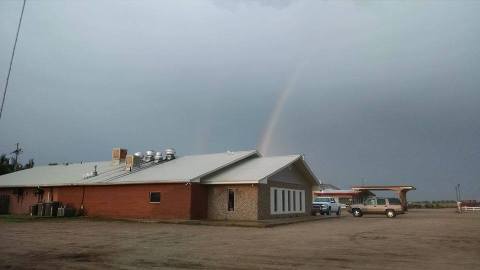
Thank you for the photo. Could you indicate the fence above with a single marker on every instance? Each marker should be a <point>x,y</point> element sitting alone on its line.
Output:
<point>470,208</point>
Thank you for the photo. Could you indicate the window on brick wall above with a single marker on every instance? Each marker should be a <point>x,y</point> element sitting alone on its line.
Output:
<point>231,200</point>
<point>154,197</point>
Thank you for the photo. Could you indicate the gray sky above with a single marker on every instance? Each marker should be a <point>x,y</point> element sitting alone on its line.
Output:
<point>388,91</point>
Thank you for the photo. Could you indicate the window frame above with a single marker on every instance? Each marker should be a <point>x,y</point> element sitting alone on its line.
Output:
<point>294,201</point>
<point>301,201</point>
<point>150,197</point>
<point>381,199</point>
<point>287,201</point>
<point>275,200</point>
<point>230,191</point>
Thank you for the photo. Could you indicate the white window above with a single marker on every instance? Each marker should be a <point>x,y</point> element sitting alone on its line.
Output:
<point>302,195</point>
<point>285,201</point>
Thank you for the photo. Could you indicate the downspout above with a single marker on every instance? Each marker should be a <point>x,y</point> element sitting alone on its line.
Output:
<point>81,212</point>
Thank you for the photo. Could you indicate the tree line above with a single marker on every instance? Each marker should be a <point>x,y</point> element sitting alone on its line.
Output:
<point>8,165</point>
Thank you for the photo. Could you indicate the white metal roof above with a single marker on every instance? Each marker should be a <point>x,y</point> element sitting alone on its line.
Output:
<point>186,168</point>
<point>252,170</point>
<point>57,175</point>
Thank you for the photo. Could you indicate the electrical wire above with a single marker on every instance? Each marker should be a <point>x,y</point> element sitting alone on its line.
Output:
<point>11,59</point>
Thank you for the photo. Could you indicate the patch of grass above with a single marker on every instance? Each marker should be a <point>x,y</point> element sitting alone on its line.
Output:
<point>16,218</point>
<point>27,218</point>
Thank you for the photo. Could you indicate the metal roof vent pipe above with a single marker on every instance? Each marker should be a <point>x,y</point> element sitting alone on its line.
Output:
<point>169,154</point>
<point>158,157</point>
<point>149,156</point>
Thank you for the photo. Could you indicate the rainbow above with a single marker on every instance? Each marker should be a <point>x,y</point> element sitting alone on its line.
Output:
<point>267,137</point>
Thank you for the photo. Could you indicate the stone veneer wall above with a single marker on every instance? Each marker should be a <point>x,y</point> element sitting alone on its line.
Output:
<point>264,199</point>
<point>246,202</point>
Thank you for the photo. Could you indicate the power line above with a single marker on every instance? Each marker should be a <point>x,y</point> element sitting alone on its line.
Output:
<point>11,59</point>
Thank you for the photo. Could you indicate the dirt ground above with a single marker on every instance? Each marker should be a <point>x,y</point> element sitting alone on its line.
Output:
<point>421,239</point>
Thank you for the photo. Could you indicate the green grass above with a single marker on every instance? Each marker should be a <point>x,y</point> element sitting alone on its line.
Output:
<point>16,218</point>
<point>27,218</point>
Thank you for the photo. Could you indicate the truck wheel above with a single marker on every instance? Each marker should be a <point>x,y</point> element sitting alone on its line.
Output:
<point>329,210</point>
<point>390,213</point>
<point>338,211</point>
<point>357,212</point>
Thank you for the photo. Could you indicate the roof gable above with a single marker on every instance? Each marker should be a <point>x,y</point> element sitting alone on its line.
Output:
<point>258,169</point>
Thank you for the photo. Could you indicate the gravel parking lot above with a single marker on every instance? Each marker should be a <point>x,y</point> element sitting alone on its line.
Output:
<point>421,239</point>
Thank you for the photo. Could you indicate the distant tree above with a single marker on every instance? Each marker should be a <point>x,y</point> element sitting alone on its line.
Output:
<point>7,167</point>
<point>30,164</point>
<point>3,159</point>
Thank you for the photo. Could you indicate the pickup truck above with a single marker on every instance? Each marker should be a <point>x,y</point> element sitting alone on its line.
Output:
<point>390,207</point>
<point>325,205</point>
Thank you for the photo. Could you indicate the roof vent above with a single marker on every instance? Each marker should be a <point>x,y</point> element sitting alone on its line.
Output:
<point>169,154</point>
<point>158,157</point>
<point>91,174</point>
<point>149,156</point>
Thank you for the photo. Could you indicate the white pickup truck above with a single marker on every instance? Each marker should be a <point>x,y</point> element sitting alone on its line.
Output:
<point>325,205</point>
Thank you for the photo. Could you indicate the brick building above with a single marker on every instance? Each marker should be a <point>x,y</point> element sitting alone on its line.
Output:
<point>223,186</point>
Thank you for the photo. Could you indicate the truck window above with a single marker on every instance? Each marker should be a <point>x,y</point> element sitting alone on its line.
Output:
<point>381,201</point>
<point>394,201</point>
<point>370,201</point>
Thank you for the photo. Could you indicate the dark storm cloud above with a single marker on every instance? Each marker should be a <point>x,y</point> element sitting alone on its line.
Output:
<point>388,91</point>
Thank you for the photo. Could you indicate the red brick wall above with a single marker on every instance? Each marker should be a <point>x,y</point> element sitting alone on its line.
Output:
<point>178,200</point>
<point>199,203</point>
<point>21,204</point>
<point>129,201</point>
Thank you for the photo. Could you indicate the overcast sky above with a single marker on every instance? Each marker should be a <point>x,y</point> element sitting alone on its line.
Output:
<point>385,91</point>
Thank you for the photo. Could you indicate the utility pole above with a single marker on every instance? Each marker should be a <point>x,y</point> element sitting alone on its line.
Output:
<point>17,152</point>
<point>11,59</point>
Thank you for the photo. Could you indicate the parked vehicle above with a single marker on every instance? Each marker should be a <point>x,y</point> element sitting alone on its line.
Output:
<point>325,205</point>
<point>390,207</point>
